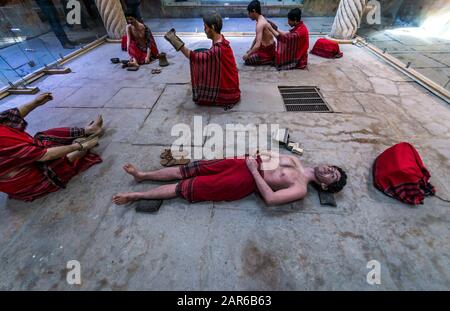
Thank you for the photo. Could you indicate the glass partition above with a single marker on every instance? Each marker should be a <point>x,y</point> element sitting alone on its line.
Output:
<point>36,33</point>
<point>416,32</point>
<point>230,2</point>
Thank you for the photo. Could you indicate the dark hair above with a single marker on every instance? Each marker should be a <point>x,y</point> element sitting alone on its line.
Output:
<point>214,21</point>
<point>295,15</point>
<point>254,6</point>
<point>336,186</point>
<point>340,184</point>
<point>131,13</point>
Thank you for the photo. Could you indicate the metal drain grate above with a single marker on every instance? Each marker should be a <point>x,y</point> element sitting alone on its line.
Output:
<point>303,98</point>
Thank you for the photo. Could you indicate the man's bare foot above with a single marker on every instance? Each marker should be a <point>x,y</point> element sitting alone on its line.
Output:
<point>123,198</point>
<point>44,98</point>
<point>95,127</point>
<point>130,169</point>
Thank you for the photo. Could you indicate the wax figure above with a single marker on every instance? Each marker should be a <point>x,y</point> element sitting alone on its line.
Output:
<point>263,49</point>
<point>139,42</point>
<point>292,45</point>
<point>234,179</point>
<point>32,167</point>
<point>214,75</point>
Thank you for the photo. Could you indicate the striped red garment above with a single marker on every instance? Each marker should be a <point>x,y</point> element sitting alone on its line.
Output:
<point>214,76</point>
<point>22,177</point>
<point>292,49</point>
<point>216,180</point>
<point>400,173</point>
<point>140,52</point>
<point>265,55</point>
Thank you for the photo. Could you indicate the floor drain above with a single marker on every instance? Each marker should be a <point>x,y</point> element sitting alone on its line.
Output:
<point>303,98</point>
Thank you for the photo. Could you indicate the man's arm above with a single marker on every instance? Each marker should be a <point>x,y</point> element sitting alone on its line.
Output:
<point>273,197</point>
<point>147,58</point>
<point>277,32</point>
<point>40,100</point>
<point>59,152</point>
<point>128,37</point>
<point>186,52</point>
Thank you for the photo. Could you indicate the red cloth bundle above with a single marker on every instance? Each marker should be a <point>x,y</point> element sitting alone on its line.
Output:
<point>327,48</point>
<point>400,173</point>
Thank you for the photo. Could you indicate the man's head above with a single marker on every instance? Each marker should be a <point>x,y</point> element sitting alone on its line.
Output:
<point>254,9</point>
<point>294,17</point>
<point>213,24</point>
<point>330,178</point>
<point>131,17</point>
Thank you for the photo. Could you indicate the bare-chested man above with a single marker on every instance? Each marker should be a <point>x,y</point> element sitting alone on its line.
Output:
<point>263,49</point>
<point>141,45</point>
<point>233,179</point>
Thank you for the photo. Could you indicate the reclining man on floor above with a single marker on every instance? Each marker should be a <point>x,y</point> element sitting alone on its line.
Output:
<point>279,182</point>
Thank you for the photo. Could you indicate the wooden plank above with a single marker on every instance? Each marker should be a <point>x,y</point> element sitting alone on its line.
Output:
<point>58,71</point>
<point>24,90</point>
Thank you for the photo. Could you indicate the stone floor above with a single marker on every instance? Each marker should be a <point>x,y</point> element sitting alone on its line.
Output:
<point>241,245</point>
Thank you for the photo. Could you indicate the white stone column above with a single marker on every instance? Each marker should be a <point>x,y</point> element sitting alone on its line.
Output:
<point>347,20</point>
<point>113,17</point>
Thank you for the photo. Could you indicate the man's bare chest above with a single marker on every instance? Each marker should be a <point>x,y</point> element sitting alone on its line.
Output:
<point>138,34</point>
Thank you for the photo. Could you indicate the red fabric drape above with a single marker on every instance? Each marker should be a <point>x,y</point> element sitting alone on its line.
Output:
<point>327,48</point>
<point>214,76</point>
<point>400,173</point>
<point>216,180</point>
<point>265,55</point>
<point>30,179</point>
<point>292,49</point>
<point>140,53</point>
<point>136,53</point>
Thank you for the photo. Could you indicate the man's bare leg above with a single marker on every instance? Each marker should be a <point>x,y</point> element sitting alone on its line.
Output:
<point>40,100</point>
<point>159,193</point>
<point>73,156</point>
<point>165,174</point>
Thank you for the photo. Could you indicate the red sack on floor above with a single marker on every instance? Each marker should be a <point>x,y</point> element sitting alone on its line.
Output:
<point>327,48</point>
<point>400,173</point>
